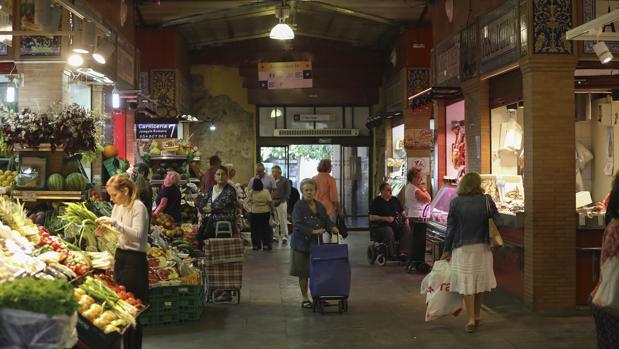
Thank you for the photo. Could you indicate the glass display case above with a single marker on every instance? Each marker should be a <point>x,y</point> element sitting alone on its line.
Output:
<point>436,212</point>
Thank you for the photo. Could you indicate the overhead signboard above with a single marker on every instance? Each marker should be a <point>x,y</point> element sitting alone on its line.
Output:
<point>152,131</point>
<point>313,117</point>
<point>285,75</point>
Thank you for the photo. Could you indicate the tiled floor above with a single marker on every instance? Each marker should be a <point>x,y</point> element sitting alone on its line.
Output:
<point>385,311</point>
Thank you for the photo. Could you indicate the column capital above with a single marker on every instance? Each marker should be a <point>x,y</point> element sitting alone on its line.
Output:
<point>548,63</point>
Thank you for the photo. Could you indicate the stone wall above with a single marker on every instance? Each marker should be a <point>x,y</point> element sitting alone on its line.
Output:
<point>234,138</point>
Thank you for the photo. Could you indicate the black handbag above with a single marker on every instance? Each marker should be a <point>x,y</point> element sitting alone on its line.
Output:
<point>341,226</point>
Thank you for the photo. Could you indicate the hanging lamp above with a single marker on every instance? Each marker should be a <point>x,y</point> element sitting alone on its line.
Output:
<point>282,31</point>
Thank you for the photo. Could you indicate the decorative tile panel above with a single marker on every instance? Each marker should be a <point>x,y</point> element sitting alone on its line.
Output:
<point>523,13</point>
<point>417,80</point>
<point>498,37</point>
<point>551,20</point>
<point>163,87</point>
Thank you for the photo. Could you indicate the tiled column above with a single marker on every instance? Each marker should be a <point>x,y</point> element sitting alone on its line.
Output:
<point>477,125</point>
<point>549,182</point>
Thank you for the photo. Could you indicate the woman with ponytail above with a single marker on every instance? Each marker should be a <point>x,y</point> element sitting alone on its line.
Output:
<point>130,219</point>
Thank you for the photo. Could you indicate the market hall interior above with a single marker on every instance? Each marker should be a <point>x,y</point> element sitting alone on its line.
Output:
<point>180,94</point>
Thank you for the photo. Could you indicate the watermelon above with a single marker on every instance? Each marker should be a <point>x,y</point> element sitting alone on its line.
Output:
<point>55,182</point>
<point>75,182</point>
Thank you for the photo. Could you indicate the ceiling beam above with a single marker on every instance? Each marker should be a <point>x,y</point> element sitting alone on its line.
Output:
<point>244,12</point>
<point>309,4</point>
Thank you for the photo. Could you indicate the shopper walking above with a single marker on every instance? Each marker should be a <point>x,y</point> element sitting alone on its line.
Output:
<point>209,177</point>
<point>326,193</point>
<point>467,245</point>
<point>169,198</point>
<point>280,206</point>
<point>260,202</point>
<point>389,219</point>
<point>130,219</point>
<point>416,199</point>
<point>218,205</point>
<point>309,223</point>
<point>605,302</point>
<point>268,182</point>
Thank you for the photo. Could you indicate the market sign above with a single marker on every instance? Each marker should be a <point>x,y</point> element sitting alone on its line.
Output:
<point>595,8</point>
<point>151,131</point>
<point>285,75</point>
<point>498,39</point>
<point>313,117</point>
<point>448,61</point>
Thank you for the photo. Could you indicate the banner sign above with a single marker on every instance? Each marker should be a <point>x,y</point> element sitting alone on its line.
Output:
<point>313,117</point>
<point>151,131</point>
<point>285,75</point>
<point>499,41</point>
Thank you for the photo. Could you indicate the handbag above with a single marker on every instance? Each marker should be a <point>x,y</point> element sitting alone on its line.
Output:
<point>341,226</point>
<point>496,240</point>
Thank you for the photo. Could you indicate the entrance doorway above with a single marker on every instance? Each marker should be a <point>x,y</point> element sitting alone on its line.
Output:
<point>350,168</point>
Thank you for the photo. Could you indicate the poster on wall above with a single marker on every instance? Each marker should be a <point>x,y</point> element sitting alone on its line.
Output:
<point>285,75</point>
<point>455,141</point>
<point>36,46</point>
<point>419,138</point>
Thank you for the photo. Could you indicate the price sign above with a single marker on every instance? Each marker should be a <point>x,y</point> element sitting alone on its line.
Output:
<point>29,196</point>
<point>152,131</point>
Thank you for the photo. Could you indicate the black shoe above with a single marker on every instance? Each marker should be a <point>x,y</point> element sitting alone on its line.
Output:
<point>267,248</point>
<point>255,248</point>
<point>284,242</point>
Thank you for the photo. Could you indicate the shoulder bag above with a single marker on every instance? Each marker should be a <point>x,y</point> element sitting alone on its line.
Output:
<point>495,237</point>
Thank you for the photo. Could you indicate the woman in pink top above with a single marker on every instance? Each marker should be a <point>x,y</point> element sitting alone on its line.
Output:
<point>326,192</point>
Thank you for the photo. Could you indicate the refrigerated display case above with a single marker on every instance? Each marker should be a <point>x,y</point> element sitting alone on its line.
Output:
<point>436,215</point>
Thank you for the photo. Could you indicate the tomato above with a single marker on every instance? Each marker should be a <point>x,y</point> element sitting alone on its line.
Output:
<point>122,295</point>
<point>122,288</point>
<point>130,295</point>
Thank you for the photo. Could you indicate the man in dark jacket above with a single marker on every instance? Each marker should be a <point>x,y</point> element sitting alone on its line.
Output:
<point>280,202</point>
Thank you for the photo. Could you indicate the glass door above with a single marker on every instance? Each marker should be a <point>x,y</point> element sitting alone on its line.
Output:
<point>355,185</point>
<point>279,155</point>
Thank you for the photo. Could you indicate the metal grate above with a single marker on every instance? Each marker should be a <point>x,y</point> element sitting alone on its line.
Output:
<point>340,132</point>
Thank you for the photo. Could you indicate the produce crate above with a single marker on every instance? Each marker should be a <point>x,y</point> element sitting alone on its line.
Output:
<point>165,305</point>
<point>189,290</point>
<point>94,337</point>
<point>164,291</point>
<point>154,319</point>
<point>194,314</point>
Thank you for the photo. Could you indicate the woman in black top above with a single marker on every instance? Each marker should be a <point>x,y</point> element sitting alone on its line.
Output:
<point>169,198</point>
<point>219,204</point>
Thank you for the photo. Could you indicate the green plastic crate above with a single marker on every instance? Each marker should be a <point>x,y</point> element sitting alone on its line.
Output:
<point>189,290</point>
<point>194,314</point>
<point>164,291</point>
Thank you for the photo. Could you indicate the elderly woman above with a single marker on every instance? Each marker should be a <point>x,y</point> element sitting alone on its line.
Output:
<point>417,198</point>
<point>467,245</point>
<point>309,221</point>
<point>605,302</point>
<point>169,198</point>
<point>218,205</point>
<point>326,193</point>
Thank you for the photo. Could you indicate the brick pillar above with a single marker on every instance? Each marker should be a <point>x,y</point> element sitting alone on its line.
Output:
<point>477,125</point>
<point>549,182</point>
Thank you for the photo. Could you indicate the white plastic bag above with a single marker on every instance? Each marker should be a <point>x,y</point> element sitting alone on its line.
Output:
<point>439,300</point>
<point>606,295</point>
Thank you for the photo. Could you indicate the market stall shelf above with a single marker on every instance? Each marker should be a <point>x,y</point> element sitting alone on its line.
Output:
<point>34,195</point>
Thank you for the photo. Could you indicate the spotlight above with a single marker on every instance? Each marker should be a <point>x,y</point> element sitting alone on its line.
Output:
<point>212,127</point>
<point>75,60</point>
<point>115,99</point>
<point>104,51</point>
<point>86,39</point>
<point>601,50</point>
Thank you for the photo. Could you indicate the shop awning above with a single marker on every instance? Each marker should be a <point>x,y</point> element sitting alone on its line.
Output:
<point>425,98</point>
<point>377,119</point>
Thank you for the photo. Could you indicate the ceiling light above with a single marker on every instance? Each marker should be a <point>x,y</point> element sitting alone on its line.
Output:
<point>282,31</point>
<point>212,127</point>
<point>601,50</point>
<point>104,51</point>
<point>75,60</point>
<point>85,41</point>
<point>115,99</point>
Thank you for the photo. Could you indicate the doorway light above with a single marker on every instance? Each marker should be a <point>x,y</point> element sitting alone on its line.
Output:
<point>432,122</point>
<point>115,99</point>
<point>10,93</point>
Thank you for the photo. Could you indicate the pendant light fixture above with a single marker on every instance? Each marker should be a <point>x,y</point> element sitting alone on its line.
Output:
<point>75,60</point>
<point>115,99</point>
<point>282,31</point>
<point>10,90</point>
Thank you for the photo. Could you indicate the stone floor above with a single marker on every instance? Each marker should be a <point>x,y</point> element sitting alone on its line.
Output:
<point>385,311</point>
